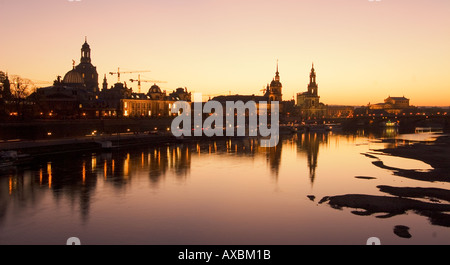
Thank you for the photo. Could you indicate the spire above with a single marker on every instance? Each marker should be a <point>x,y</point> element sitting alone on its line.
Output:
<point>85,39</point>
<point>313,74</point>
<point>277,74</point>
<point>105,83</point>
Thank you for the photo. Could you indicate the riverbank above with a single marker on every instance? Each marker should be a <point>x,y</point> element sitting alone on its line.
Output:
<point>35,148</point>
<point>99,143</point>
<point>435,153</point>
<point>432,203</point>
<point>61,129</point>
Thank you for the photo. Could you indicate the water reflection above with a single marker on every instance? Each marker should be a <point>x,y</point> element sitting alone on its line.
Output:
<point>75,177</point>
<point>169,192</point>
<point>247,147</point>
<point>309,144</point>
<point>158,161</point>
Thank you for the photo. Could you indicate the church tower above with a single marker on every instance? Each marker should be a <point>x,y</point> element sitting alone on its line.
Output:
<point>87,71</point>
<point>275,88</point>
<point>313,87</point>
<point>309,101</point>
<point>105,84</point>
<point>277,74</point>
<point>85,52</point>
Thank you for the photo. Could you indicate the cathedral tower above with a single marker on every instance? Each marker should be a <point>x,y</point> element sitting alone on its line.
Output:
<point>275,88</point>
<point>87,71</point>
<point>85,52</point>
<point>313,87</point>
<point>309,101</point>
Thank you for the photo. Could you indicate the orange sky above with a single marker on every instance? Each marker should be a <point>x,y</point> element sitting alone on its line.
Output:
<point>363,51</point>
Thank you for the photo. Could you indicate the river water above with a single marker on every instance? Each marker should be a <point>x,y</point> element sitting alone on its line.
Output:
<point>229,191</point>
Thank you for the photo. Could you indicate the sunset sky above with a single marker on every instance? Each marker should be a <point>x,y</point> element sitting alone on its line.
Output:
<point>363,51</point>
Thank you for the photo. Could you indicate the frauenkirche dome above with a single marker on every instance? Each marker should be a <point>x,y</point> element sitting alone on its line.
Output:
<point>73,77</point>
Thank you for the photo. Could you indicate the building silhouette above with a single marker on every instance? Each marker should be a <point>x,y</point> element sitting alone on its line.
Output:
<point>273,93</point>
<point>156,103</point>
<point>309,102</point>
<point>275,89</point>
<point>87,71</point>
<point>392,105</point>
<point>84,75</point>
<point>71,96</point>
<point>340,111</point>
<point>77,95</point>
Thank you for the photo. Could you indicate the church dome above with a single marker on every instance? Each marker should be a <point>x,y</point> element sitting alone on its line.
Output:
<point>73,77</point>
<point>154,89</point>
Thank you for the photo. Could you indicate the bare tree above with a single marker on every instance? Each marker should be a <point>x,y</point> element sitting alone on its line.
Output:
<point>21,88</point>
<point>2,76</point>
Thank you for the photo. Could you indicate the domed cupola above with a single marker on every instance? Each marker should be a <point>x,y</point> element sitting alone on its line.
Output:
<point>73,77</point>
<point>155,93</point>
<point>154,89</point>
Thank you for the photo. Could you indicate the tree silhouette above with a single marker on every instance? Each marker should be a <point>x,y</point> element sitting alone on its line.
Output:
<point>2,77</point>
<point>21,88</point>
<point>6,86</point>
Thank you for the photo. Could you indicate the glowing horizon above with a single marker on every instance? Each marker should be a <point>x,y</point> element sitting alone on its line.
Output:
<point>362,51</point>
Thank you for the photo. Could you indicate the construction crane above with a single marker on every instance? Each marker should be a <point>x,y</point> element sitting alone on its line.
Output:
<point>118,73</point>
<point>150,81</point>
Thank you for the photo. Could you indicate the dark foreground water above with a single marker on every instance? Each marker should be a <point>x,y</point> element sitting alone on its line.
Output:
<point>216,192</point>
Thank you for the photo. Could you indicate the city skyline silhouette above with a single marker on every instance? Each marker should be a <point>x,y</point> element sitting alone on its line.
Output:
<point>363,51</point>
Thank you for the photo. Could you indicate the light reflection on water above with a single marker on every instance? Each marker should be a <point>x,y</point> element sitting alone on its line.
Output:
<point>427,137</point>
<point>210,192</point>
